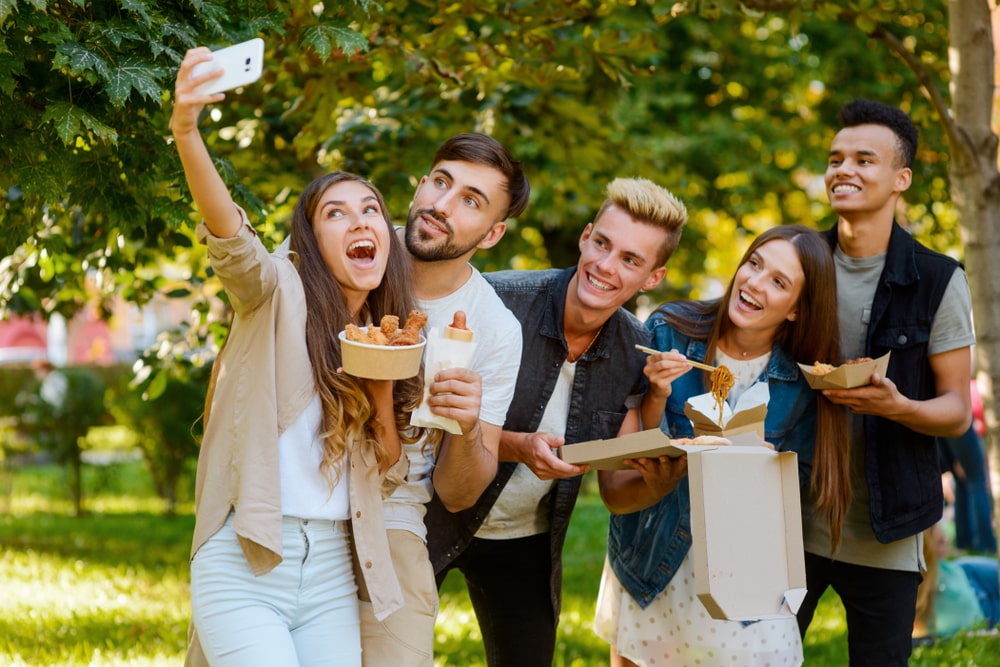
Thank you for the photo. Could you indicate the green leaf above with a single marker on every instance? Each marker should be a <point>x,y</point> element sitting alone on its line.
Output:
<point>79,59</point>
<point>136,74</point>
<point>68,120</point>
<point>8,66</point>
<point>7,8</point>
<point>327,37</point>
<point>139,8</point>
<point>157,386</point>
<point>865,24</point>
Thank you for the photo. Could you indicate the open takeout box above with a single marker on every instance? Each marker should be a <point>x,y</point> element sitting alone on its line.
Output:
<point>846,376</point>
<point>746,529</point>
<point>743,425</point>
<point>746,524</point>
<point>608,454</point>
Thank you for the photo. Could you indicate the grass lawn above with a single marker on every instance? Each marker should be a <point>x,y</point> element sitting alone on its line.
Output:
<point>111,588</point>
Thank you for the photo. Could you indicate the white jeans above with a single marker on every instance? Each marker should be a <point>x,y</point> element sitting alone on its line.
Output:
<point>304,612</point>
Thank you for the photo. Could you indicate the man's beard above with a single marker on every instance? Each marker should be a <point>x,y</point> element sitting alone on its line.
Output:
<point>424,250</point>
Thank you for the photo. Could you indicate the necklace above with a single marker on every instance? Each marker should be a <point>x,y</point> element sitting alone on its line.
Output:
<point>586,349</point>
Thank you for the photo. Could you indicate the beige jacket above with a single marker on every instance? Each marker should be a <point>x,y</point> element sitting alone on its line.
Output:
<point>264,382</point>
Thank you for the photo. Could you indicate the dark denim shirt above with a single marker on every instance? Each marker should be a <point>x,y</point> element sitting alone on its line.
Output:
<point>608,382</point>
<point>645,548</point>
<point>901,465</point>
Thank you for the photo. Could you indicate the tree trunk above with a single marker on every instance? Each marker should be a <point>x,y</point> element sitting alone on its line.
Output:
<point>975,191</point>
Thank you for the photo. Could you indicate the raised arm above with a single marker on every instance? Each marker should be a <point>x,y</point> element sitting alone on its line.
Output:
<point>207,187</point>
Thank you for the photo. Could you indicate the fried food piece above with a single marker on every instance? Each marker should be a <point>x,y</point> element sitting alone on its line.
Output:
<point>353,332</point>
<point>713,440</point>
<point>458,330</point>
<point>376,337</point>
<point>410,333</point>
<point>819,368</point>
<point>389,325</point>
<point>859,360</point>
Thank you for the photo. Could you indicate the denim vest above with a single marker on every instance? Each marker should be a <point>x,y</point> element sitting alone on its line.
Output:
<point>645,548</point>
<point>608,382</point>
<point>901,465</point>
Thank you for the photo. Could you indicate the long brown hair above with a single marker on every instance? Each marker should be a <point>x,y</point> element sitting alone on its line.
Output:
<point>348,417</point>
<point>812,336</point>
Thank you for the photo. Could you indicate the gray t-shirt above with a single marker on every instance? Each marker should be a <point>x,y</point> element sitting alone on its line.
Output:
<point>857,279</point>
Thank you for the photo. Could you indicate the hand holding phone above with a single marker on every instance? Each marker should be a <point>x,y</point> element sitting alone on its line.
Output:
<point>241,63</point>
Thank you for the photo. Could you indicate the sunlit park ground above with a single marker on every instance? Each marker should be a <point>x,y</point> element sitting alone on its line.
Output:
<point>111,588</point>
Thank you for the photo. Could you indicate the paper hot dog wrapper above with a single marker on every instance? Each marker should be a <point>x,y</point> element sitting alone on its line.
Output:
<point>441,353</point>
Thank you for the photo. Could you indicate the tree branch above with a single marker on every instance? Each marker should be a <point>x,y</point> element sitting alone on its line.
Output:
<point>956,138</point>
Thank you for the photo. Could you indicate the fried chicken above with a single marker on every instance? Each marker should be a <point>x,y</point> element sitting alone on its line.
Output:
<point>410,333</point>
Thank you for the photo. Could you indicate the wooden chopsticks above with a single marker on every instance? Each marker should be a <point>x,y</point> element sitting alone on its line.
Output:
<point>696,364</point>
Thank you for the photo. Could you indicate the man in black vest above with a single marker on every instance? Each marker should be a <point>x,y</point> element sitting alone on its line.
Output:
<point>894,296</point>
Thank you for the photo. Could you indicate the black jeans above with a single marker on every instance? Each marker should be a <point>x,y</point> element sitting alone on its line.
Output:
<point>880,606</point>
<point>509,585</point>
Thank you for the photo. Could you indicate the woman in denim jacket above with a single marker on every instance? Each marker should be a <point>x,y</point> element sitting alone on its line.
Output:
<point>779,309</point>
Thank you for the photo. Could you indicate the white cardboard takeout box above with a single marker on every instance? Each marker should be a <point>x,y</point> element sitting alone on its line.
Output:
<point>746,524</point>
<point>743,425</point>
<point>746,529</point>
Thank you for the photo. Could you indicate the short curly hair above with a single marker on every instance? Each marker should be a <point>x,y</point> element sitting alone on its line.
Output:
<point>871,112</point>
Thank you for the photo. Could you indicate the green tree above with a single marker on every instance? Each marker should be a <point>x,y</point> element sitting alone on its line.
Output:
<point>729,104</point>
<point>68,401</point>
<point>163,406</point>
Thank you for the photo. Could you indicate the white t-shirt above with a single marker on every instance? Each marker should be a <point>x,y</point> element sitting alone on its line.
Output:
<point>305,491</point>
<point>522,508</point>
<point>496,359</point>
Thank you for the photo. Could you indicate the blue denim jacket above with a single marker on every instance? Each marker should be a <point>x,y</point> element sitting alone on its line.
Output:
<point>608,382</point>
<point>645,548</point>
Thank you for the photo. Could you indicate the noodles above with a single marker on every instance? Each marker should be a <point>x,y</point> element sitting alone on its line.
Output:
<point>722,381</point>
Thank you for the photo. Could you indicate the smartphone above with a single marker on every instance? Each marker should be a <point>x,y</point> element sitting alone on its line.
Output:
<point>242,63</point>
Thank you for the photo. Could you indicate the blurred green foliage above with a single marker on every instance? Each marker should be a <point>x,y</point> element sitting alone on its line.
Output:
<point>730,107</point>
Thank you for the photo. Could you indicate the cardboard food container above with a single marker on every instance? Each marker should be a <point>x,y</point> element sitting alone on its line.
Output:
<point>608,454</point>
<point>381,362</point>
<point>743,425</point>
<point>846,376</point>
<point>746,529</point>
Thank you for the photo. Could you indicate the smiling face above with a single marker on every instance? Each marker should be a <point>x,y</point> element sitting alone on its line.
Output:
<point>353,237</point>
<point>458,208</point>
<point>766,288</point>
<point>864,173</point>
<point>617,260</point>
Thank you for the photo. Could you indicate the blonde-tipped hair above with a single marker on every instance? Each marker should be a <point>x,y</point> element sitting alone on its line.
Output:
<point>649,203</point>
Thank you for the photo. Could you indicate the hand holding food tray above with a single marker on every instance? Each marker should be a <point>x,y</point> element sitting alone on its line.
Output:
<point>853,373</point>
<point>653,443</point>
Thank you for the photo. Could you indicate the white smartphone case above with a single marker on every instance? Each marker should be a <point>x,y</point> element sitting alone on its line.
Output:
<point>242,63</point>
